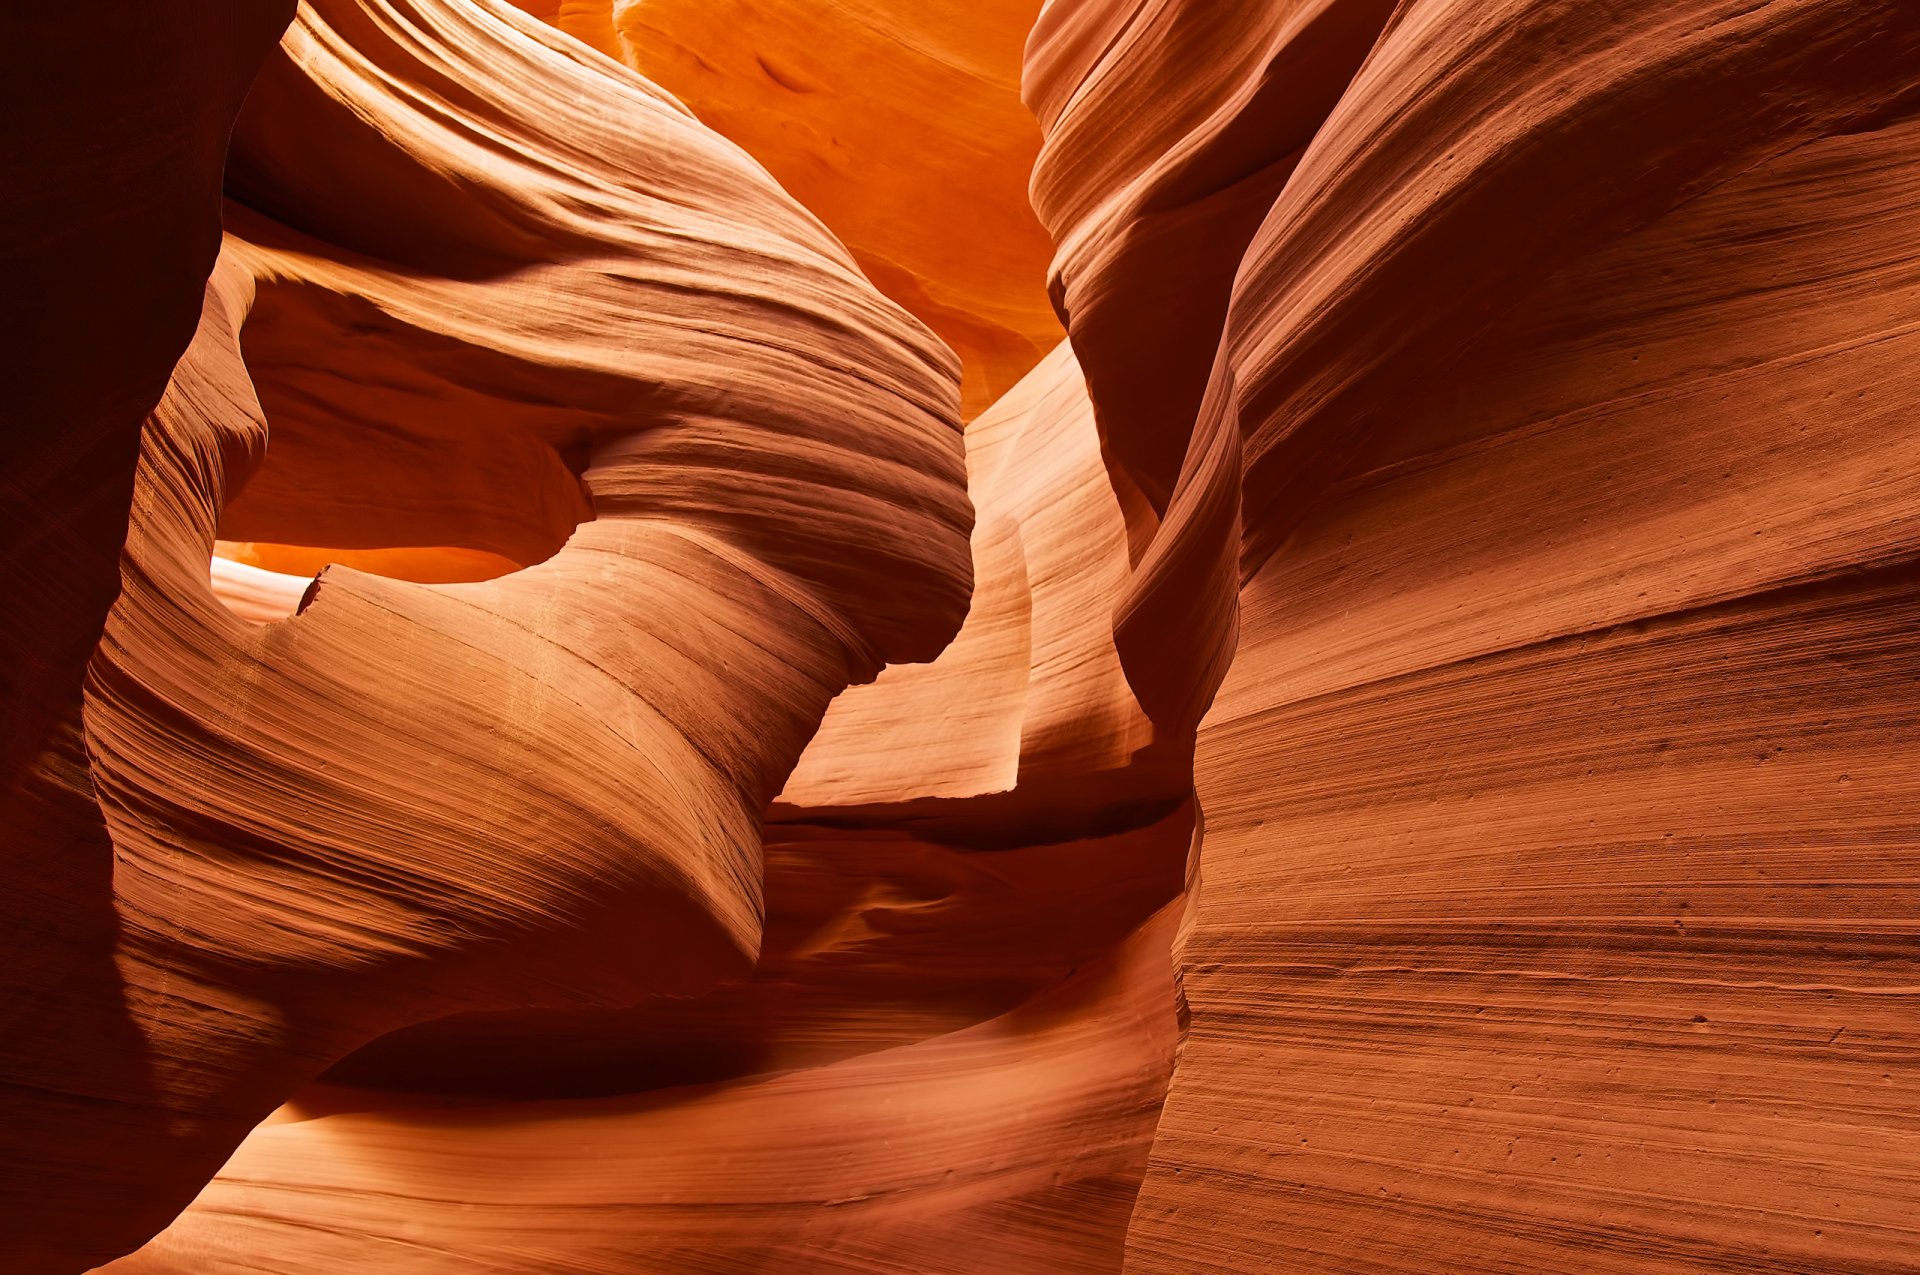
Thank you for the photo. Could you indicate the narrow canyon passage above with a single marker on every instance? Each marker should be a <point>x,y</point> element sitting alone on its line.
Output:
<point>1009,636</point>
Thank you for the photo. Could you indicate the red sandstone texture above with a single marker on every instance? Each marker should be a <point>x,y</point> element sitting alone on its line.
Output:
<point>592,685</point>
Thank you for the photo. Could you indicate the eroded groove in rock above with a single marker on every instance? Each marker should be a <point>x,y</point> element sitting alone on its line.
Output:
<point>1028,1133</point>
<point>1172,127</point>
<point>982,971</point>
<point>409,800</point>
<point>1563,729</point>
<point>1030,694</point>
<point>593,767</point>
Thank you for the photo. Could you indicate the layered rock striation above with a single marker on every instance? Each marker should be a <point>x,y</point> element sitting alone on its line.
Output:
<point>1554,883</point>
<point>470,273</point>
<point>897,122</point>
<point>559,750</point>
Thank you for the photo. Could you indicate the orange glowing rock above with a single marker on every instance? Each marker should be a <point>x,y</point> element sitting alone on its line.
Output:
<point>897,122</point>
<point>579,735</point>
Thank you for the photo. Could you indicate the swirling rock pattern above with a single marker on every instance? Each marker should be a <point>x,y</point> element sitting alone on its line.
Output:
<point>1555,900</point>
<point>897,122</point>
<point>1384,752</point>
<point>969,980</point>
<point>545,789</point>
<point>1013,1144</point>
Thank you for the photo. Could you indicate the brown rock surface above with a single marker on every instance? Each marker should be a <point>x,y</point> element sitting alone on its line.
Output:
<point>965,984</point>
<point>543,799</point>
<point>1014,1144</point>
<point>1554,910</point>
<point>897,122</point>
<point>545,789</point>
<point>112,212</point>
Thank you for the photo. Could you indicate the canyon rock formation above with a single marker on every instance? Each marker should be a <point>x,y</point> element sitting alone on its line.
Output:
<point>839,635</point>
<point>899,124</point>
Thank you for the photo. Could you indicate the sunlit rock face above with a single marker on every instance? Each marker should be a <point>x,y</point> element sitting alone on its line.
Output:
<point>961,1021</point>
<point>897,122</point>
<point>480,288</point>
<point>624,701</point>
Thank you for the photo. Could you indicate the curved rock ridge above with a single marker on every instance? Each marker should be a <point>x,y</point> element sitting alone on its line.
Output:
<point>957,1033</point>
<point>897,122</point>
<point>593,767</point>
<point>1014,1145</point>
<point>931,898</point>
<point>1172,127</point>
<point>408,800</point>
<point>1555,890</point>
<point>1030,694</point>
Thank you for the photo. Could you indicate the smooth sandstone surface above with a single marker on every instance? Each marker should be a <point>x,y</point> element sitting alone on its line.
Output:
<point>1555,904</point>
<point>406,799</point>
<point>969,984</point>
<point>1030,693</point>
<point>1015,1144</point>
<point>897,122</point>
<point>1385,751</point>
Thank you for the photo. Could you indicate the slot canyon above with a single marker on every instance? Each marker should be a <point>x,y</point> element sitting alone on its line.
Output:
<point>960,637</point>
